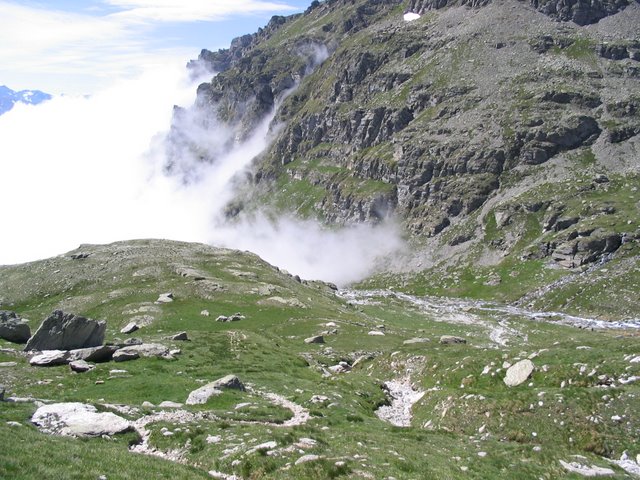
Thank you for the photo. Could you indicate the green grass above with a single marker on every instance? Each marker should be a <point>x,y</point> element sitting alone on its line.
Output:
<point>266,350</point>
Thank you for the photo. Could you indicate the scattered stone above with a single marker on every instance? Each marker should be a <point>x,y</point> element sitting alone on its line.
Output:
<point>132,341</point>
<point>180,337</point>
<point>319,399</point>
<point>376,333</point>
<point>451,340</point>
<point>8,364</point>
<point>204,393</point>
<point>585,471</point>
<point>81,366</point>
<point>14,424</point>
<point>204,313</point>
<point>78,419</point>
<point>214,439</point>
<point>307,458</point>
<point>222,318</point>
<point>13,328</point>
<point>314,339</point>
<point>169,404</point>
<point>628,464</point>
<point>236,317</point>
<point>50,358</point>
<point>413,341</point>
<point>519,372</point>
<point>176,351</point>
<point>146,404</point>
<point>66,331</point>
<point>165,298</point>
<point>130,328</point>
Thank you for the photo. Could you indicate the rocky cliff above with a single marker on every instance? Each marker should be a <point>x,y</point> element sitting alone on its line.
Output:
<point>486,123</point>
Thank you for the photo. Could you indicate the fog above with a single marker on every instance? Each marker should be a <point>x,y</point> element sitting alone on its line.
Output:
<point>94,170</point>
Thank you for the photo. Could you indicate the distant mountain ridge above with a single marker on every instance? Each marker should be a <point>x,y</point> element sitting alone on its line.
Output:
<point>9,97</point>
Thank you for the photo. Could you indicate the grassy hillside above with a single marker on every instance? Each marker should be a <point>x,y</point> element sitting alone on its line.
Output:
<point>580,400</point>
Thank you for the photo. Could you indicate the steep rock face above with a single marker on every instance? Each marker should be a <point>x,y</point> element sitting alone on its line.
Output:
<point>581,12</point>
<point>428,119</point>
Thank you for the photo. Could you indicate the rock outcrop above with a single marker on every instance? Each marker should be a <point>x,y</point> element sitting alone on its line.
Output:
<point>66,331</point>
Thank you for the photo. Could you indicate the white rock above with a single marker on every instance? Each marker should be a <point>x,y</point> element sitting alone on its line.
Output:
<point>49,358</point>
<point>411,16</point>
<point>376,333</point>
<point>130,328</point>
<point>307,458</point>
<point>168,404</point>
<point>585,471</point>
<point>263,446</point>
<point>205,313</point>
<point>518,373</point>
<point>78,419</point>
<point>165,298</point>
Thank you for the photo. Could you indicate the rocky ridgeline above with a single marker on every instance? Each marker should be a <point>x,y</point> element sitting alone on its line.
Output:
<point>425,119</point>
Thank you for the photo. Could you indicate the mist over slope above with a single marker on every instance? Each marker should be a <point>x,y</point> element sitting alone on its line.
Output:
<point>501,136</point>
<point>116,165</point>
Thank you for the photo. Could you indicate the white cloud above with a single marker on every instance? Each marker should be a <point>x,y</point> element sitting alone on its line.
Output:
<point>80,170</point>
<point>191,10</point>
<point>66,52</point>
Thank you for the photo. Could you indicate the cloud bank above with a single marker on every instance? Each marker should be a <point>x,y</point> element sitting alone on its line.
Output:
<point>73,51</point>
<point>93,170</point>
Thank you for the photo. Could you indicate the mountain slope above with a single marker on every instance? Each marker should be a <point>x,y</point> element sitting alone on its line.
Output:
<point>501,136</point>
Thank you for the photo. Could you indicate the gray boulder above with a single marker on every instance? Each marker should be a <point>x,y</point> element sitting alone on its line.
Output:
<point>203,394</point>
<point>451,340</point>
<point>182,337</point>
<point>81,366</point>
<point>130,328</point>
<point>66,331</point>
<point>12,328</point>
<point>50,358</point>
<point>136,351</point>
<point>78,419</point>
<point>125,356</point>
<point>519,372</point>
<point>100,354</point>
<point>314,339</point>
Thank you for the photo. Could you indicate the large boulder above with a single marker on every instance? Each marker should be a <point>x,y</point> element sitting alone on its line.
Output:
<point>12,328</point>
<point>202,394</point>
<point>518,373</point>
<point>66,331</point>
<point>78,419</point>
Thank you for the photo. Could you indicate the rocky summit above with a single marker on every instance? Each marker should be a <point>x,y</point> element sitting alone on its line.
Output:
<point>500,136</point>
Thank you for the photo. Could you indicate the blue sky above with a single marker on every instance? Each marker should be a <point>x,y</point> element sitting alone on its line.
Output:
<point>80,47</point>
